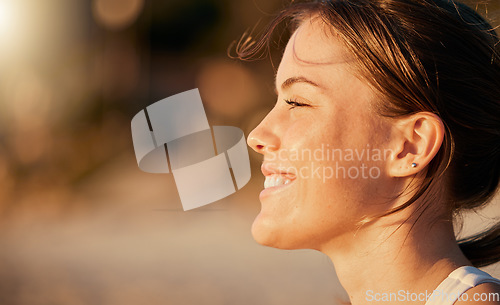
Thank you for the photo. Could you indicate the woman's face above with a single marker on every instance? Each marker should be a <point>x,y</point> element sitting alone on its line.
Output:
<point>323,147</point>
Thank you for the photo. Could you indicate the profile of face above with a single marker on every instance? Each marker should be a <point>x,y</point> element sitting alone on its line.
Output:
<point>324,147</point>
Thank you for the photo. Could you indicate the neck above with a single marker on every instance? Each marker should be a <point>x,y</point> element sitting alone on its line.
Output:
<point>394,258</point>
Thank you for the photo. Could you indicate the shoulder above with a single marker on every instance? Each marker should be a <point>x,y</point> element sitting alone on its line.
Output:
<point>482,294</point>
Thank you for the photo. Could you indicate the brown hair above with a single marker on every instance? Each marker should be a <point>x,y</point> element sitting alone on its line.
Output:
<point>438,56</point>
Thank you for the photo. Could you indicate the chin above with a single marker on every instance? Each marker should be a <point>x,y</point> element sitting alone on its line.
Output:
<point>266,233</point>
<point>269,234</point>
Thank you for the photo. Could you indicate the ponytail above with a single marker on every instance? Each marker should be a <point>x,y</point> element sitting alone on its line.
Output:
<point>482,249</point>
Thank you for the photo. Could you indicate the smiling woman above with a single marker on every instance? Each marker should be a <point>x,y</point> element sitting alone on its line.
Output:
<point>418,80</point>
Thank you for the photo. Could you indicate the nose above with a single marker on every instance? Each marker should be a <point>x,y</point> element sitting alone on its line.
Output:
<point>264,139</point>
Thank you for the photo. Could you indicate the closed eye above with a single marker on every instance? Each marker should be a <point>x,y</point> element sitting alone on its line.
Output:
<point>294,103</point>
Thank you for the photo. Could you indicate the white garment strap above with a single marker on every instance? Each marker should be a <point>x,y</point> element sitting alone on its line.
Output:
<point>459,281</point>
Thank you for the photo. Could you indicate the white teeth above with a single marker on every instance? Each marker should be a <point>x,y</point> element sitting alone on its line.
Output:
<point>275,180</point>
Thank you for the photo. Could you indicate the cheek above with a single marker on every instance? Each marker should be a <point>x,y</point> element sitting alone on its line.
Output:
<point>350,173</point>
<point>335,189</point>
<point>309,133</point>
<point>300,134</point>
<point>334,192</point>
<point>317,211</point>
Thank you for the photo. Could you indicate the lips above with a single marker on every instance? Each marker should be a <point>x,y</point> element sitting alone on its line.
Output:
<point>276,180</point>
<point>275,177</point>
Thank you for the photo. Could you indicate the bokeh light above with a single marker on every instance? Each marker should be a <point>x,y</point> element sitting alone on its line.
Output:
<point>116,14</point>
<point>10,24</point>
<point>228,88</point>
<point>7,17</point>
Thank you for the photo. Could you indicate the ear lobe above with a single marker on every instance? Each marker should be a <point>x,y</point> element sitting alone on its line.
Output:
<point>417,140</point>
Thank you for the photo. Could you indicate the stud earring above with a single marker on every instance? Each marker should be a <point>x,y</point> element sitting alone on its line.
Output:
<point>414,164</point>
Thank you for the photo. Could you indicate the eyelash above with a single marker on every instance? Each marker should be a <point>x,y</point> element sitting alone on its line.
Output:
<point>294,104</point>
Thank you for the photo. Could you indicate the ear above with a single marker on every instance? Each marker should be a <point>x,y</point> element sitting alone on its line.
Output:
<point>415,140</point>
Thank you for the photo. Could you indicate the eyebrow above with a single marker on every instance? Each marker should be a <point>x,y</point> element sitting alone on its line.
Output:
<point>297,79</point>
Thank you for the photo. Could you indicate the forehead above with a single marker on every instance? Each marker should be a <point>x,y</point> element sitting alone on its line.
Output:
<point>316,43</point>
<point>315,51</point>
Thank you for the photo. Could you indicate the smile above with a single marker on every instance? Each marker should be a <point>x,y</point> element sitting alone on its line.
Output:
<point>276,180</point>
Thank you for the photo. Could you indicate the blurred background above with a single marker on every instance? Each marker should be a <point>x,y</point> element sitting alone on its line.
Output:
<point>79,222</point>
